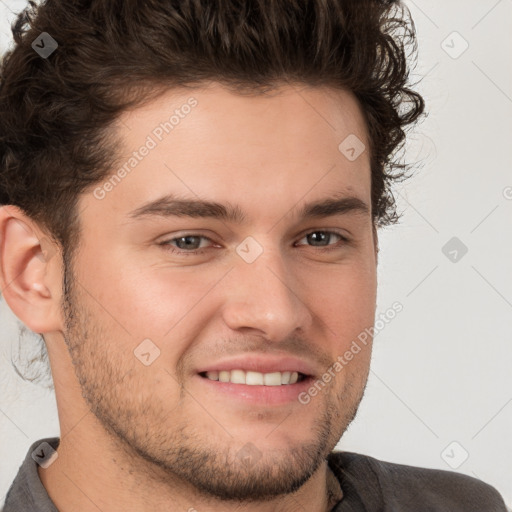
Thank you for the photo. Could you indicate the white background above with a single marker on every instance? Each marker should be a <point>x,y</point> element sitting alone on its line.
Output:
<point>441,370</point>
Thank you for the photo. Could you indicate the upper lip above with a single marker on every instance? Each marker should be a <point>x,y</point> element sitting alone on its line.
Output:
<point>262,364</point>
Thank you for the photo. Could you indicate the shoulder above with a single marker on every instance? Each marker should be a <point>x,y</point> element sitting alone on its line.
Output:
<point>393,486</point>
<point>27,491</point>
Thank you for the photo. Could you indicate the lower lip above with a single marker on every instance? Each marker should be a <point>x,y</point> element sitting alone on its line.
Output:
<point>266,395</point>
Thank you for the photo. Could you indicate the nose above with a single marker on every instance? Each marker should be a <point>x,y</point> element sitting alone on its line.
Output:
<point>265,297</point>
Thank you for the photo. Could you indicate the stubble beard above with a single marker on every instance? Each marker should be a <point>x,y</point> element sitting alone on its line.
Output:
<point>185,454</point>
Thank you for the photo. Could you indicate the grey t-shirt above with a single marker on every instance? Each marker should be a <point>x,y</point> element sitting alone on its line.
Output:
<point>368,485</point>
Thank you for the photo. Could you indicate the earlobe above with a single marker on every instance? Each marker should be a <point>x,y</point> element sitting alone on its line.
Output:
<point>25,276</point>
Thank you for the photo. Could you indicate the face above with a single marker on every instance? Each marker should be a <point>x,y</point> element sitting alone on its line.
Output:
<point>164,299</point>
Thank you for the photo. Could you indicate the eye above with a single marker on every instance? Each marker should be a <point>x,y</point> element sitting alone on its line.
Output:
<point>324,238</point>
<point>190,243</point>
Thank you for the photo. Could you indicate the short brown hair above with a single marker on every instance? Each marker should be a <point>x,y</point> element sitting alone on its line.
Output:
<point>115,54</point>
<point>57,113</point>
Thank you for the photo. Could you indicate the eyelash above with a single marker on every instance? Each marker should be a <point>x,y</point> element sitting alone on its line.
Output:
<point>167,247</point>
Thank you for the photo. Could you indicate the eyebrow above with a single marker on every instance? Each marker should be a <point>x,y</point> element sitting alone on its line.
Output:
<point>173,206</point>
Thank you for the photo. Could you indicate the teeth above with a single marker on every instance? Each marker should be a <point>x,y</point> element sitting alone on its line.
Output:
<point>272,379</point>
<point>254,378</point>
<point>237,377</point>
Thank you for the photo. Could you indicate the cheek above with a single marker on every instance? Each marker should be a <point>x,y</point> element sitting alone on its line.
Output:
<point>137,297</point>
<point>161,302</point>
<point>344,297</point>
<point>348,311</point>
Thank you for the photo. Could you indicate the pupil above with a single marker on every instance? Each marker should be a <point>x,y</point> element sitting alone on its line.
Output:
<point>187,239</point>
<point>315,235</point>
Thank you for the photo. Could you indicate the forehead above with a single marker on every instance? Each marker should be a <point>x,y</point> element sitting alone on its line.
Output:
<point>263,149</point>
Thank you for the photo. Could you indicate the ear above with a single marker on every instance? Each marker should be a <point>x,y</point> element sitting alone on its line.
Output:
<point>30,273</point>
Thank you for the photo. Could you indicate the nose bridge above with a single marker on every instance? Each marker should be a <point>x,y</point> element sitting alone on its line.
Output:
<point>262,294</point>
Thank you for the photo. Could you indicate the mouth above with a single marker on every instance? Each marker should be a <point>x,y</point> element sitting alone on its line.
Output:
<point>247,387</point>
<point>256,380</point>
<point>252,378</point>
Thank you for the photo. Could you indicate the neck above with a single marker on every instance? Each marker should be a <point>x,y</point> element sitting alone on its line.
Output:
<point>93,472</point>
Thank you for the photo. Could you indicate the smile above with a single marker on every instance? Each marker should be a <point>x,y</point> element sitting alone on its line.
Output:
<point>251,378</point>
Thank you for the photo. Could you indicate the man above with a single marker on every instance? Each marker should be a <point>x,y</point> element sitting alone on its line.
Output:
<point>191,194</point>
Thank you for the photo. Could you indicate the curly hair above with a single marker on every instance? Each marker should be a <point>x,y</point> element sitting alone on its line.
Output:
<point>57,113</point>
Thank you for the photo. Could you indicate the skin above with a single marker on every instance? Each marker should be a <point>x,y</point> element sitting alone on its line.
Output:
<point>122,422</point>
